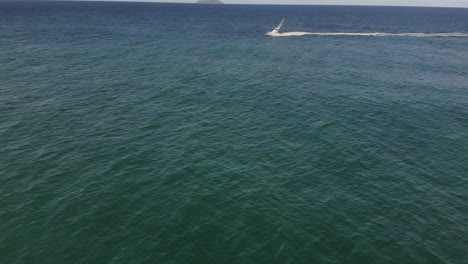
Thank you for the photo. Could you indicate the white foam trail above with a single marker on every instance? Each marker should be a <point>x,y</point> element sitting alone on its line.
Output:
<point>377,34</point>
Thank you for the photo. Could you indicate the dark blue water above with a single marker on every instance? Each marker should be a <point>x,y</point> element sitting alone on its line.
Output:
<point>178,133</point>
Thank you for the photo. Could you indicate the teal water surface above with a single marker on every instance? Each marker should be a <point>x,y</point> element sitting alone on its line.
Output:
<point>176,133</point>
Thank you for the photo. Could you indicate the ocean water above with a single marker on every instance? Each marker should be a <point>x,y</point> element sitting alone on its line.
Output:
<point>180,133</point>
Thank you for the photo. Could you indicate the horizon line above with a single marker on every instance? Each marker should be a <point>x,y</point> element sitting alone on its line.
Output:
<point>163,2</point>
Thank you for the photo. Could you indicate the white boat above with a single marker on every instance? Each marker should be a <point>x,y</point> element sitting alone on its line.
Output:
<point>275,31</point>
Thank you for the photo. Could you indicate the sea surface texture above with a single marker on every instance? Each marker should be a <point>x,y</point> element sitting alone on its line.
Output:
<point>180,133</point>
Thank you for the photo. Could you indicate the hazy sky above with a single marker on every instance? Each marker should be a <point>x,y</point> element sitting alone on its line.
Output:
<point>454,3</point>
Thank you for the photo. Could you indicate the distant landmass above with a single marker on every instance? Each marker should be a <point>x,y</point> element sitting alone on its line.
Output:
<point>210,2</point>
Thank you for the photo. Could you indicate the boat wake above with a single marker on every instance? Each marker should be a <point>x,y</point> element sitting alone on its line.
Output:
<point>376,34</point>
<point>276,33</point>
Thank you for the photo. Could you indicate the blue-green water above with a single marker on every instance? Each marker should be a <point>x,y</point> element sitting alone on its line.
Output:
<point>159,133</point>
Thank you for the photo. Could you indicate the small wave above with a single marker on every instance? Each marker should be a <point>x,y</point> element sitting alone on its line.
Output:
<point>377,34</point>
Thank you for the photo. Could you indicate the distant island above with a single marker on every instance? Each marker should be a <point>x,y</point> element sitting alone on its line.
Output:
<point>210,2</point>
